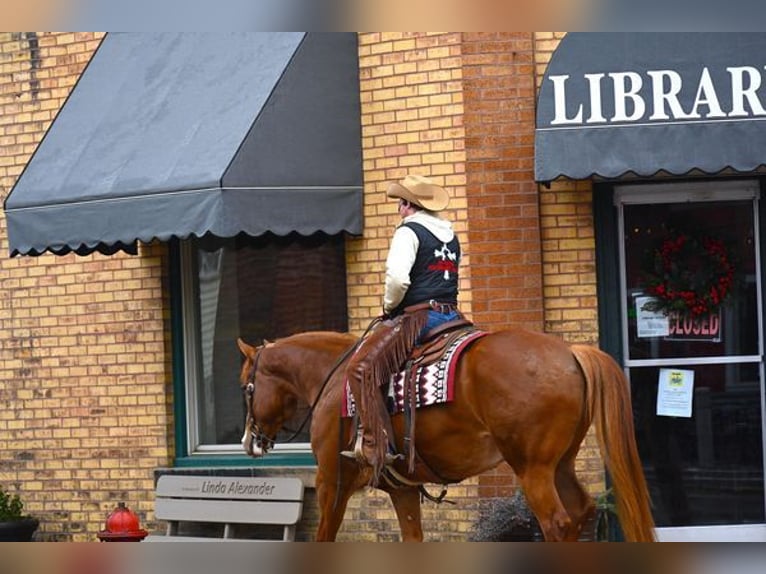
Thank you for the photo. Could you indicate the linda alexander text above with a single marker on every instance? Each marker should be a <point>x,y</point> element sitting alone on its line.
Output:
<point>221,487</point>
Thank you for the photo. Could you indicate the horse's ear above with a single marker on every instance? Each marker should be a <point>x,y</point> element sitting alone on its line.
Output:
<point>266,342</point>
<point>247,350</point>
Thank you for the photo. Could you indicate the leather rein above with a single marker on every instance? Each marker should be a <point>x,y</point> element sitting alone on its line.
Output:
<point>262,440</point>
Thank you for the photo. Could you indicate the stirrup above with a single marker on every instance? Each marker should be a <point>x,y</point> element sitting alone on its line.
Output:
<point>358,454</point>
<point>389,459</point>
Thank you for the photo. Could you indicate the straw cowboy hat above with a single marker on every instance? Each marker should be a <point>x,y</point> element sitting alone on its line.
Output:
<point>420,191</point>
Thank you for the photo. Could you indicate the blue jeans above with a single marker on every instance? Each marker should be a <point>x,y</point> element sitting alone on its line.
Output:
<point>434,320</point>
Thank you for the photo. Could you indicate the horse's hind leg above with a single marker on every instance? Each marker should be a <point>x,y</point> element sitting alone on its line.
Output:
<point>406,502</point>
<point>539,486</point>
<point>576,500</point>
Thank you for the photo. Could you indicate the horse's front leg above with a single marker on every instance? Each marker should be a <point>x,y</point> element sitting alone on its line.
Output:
<point>406,502</point>
<point>333,498</point>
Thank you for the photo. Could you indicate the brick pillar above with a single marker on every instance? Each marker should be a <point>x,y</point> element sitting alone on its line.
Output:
<point>503,211</point>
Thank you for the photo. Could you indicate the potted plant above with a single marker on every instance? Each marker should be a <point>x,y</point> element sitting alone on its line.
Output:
<point>15,526</point>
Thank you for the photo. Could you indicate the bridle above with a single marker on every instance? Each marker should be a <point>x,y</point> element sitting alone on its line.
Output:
<point>253,430</point>
<point>255,434</point>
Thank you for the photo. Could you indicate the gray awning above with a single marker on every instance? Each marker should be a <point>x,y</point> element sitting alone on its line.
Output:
<point>177,135</point>
<point>612,104</point>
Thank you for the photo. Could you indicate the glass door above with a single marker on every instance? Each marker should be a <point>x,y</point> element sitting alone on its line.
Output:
<point>693,348</point>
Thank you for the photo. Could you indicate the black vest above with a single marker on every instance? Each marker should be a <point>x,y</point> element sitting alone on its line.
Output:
<point>434,275</point>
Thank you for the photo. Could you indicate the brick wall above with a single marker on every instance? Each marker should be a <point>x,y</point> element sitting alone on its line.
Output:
<point>568,241</point>
<point>85,396</point>
<point>412,122</point>
<point>499,122</point>
<point>502,196</point>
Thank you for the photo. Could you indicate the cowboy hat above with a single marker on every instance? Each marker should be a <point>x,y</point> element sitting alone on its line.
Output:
<point>420,191</point>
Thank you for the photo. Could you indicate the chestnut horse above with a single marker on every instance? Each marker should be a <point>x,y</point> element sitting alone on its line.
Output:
<point>524,397</point>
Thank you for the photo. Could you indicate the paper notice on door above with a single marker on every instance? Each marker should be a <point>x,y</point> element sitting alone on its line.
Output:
<point>674,393</point>
<point>650,323</point>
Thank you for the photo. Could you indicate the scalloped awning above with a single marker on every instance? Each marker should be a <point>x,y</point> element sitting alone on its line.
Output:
<point>612,104</point>
<point>178,135</point>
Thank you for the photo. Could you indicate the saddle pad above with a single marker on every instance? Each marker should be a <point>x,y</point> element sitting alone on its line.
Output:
<point>435,383</point>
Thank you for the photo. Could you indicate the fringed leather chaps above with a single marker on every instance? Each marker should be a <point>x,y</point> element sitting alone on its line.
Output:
<point>380,356</point>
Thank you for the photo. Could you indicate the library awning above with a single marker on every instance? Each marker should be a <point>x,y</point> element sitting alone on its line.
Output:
<point>612,104</point>
<point>210,134</point>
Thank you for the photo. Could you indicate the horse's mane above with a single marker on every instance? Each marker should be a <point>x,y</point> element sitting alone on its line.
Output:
<point>316,334</point>
<point>317,339</point>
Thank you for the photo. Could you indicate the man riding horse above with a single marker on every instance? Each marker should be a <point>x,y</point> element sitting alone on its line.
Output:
<point>420,294</point>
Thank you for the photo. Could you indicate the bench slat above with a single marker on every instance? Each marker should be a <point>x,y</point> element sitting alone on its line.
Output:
<point>231,511</point>
<point>165,538</point>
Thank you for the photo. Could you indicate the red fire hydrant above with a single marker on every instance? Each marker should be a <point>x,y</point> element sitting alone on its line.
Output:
<point>122,525</point>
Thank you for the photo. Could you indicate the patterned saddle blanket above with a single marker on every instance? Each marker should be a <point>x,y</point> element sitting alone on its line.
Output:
<point>434,377</point>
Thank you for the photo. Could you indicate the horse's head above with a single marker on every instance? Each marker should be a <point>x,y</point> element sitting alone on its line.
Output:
<point>268,399</point>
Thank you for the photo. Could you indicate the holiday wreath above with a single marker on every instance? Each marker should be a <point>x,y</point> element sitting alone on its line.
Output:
<point>689,274</point>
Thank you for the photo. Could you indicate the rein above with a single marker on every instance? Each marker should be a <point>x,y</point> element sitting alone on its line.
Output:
<point>350,351</point>
<point>250,389</point>
<point>334,368</point>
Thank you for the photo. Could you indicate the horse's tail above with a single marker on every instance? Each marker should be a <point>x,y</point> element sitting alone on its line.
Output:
<point>609,405</point>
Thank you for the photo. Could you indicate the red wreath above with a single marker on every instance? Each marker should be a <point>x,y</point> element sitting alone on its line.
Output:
<point>690,275</point>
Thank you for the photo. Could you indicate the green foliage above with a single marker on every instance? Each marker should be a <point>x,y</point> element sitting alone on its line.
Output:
<point>11,507</point>
<point>607,527</point>
<point>605,501</point>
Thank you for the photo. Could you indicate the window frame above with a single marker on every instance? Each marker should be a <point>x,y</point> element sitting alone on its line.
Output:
<point>609,233</point>
<point>183,325</point>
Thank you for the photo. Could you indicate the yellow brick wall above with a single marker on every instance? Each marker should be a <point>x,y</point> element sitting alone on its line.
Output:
<point>85,395</point>
<point>568,241</point>
<point>569,265</point>
<point>411,94</point>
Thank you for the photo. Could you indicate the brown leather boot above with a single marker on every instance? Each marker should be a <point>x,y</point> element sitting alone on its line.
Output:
<point>365,450</point>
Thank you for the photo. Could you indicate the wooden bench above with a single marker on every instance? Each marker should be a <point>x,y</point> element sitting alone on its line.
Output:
<point>231,501</point>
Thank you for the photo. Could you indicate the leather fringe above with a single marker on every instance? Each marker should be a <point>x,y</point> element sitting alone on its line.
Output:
<point>379,358</point>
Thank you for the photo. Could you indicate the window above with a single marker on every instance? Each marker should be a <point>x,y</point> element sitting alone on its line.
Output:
<point>704,466</point>
<point>254,288</point>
